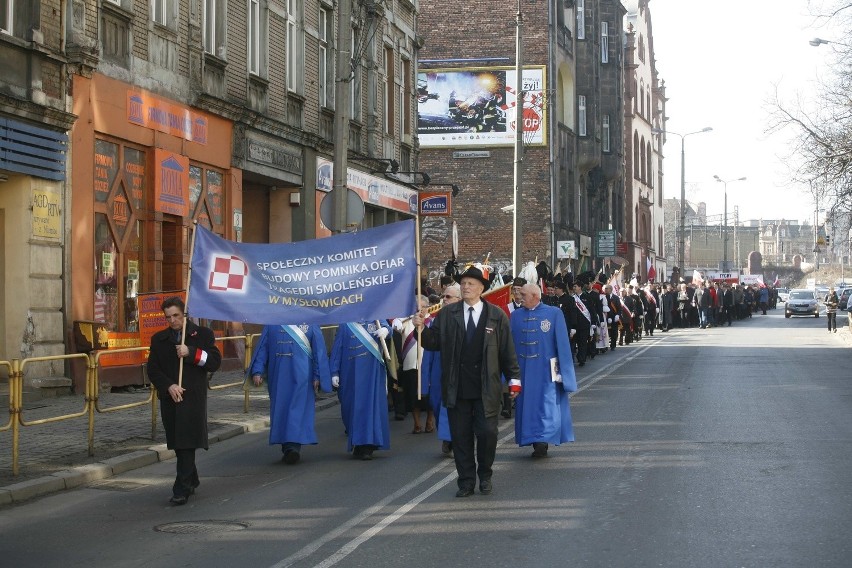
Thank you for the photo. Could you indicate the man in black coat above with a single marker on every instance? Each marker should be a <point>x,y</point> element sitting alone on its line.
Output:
<point>183,401</point>
<point>580,320</point>
<point>613,316</point>
<point>476,347</point>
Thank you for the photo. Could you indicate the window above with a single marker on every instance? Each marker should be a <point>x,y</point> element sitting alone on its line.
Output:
<point>355,82</point>
<point>295,46</point>
<point>160,11</point>
<point>254,37</point>
<point>389,89</point>
<point>324,33</point>
<point>214,27</point>
<point>581,19</point>
<point>581,115</point>
<point>604,42</point>
<point>406,97</point>
<point>605,141</point>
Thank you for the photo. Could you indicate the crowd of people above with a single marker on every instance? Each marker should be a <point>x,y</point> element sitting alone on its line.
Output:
<point>472,362</point>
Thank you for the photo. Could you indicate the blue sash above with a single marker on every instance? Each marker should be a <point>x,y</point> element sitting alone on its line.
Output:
<point>367,340</point>
<point>300,338</point>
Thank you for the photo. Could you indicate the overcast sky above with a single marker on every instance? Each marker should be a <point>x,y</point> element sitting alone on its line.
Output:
<point>721,61</point>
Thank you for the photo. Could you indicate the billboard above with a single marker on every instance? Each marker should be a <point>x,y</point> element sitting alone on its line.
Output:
<point>476,107</point>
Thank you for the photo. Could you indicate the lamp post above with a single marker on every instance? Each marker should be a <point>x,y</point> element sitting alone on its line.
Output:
<point>725,222</point>
<point>681,249</point>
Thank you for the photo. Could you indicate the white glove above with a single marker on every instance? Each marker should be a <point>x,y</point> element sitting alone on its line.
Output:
<point>381,333</point>
<point>615,319</point>
<point>558,379</point>
<point>397,324</point>
<point>573,331</point>
<point>594,327</point>
<point>335,381</point>
<point>608,320</point>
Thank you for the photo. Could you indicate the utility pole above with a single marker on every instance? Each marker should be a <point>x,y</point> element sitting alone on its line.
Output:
<point>344,74</point>
<point>517,248</point>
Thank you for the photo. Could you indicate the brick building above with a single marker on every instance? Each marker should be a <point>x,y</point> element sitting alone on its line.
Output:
<point>572,169</point>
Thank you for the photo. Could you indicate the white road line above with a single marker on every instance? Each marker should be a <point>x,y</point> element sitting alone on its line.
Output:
<point>377,527</point>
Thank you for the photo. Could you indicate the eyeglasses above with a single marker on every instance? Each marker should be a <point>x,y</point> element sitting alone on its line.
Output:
<point>449,297</point>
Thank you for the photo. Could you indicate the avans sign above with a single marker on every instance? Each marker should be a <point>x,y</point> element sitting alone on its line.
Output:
<point>436,203</point>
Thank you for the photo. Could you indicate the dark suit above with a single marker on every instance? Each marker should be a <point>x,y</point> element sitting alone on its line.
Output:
<point>185,422</point>
<point>471,384</point>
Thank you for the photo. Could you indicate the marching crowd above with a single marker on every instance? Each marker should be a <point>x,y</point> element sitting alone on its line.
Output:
<point>476,363</point>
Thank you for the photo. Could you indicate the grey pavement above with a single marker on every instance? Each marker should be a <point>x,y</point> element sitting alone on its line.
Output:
<point>54,456</point>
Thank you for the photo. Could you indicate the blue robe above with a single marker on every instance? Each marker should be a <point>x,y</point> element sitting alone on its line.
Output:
<point>431,385</point>
<point>363,389</point>
<point>290,376</point>
<point>542,413</point>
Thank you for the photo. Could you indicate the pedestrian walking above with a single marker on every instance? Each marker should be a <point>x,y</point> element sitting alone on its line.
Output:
<point>831,301</point>
<point>476,349</point>
<point>543,415</point>
<point>294,360</point>
<point>183,392</point>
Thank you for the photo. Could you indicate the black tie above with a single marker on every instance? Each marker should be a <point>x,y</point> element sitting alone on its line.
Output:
<point>471,327</point>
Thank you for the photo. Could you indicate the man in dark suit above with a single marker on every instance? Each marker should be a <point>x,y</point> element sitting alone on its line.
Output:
<point>183,394</point>
<point>476,347</point>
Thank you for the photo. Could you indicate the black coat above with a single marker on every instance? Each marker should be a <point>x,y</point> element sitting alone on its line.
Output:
<point>185,422</point>
<point>447,335</point>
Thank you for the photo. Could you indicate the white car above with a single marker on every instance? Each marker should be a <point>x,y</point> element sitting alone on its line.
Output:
<point>783,294</point>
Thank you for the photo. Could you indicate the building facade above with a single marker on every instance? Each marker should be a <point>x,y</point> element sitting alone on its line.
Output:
<point>644,116</point>
<point>217,112</point>
<point>571,176</point>
<point>34,189</point>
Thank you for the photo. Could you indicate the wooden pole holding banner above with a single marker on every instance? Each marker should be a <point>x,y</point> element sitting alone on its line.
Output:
<point>186,302</point>
<point>419,293</point>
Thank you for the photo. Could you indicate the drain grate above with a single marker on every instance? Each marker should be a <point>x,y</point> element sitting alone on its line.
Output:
<point>201,527</point>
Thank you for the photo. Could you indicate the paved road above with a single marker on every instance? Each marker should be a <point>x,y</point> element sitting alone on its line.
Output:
<point>722,447</point>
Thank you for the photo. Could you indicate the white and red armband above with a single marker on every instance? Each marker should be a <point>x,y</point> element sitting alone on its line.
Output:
<point>200,357</point>
<point>514,385</point>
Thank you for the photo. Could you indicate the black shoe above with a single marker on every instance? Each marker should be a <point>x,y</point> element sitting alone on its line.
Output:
<point>582,363</point>
<point>291,457</point>
<point>539,450</point>
<point>464,492</point>
<point>446,447</point>
<point>179,499</point>
<point>399,417</point>
<point>485,487</point>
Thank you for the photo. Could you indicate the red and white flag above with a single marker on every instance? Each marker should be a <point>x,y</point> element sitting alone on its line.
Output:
<point>649,268</point>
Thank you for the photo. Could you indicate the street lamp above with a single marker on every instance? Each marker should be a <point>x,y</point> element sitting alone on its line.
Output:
<point>681,251</point>
<point>725,238</point>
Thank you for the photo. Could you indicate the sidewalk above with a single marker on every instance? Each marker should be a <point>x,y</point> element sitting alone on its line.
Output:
<point>54,456</point>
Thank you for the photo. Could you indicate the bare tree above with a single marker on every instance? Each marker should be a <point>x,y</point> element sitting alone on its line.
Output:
<point>821,153</point>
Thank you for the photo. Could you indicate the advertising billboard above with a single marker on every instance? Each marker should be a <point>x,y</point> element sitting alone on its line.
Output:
<point>476,107</point>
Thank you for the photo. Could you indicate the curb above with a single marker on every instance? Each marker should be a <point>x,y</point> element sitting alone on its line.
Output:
<point>84,474</point>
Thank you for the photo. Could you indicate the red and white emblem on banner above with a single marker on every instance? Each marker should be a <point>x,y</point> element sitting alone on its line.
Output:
<point>229,273</point>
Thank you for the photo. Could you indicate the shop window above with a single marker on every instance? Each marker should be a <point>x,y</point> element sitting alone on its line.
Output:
<point>119,195</point>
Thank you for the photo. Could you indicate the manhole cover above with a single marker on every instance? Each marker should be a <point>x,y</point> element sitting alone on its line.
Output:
<point>200,527</point>
<point>117,485</point>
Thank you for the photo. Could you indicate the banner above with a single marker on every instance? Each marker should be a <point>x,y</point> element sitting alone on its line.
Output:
<point>367,275</point>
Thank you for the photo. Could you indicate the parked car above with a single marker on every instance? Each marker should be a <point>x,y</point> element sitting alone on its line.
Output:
<point>801,302</point>
<point>843,300</point>
<point>783,293</point>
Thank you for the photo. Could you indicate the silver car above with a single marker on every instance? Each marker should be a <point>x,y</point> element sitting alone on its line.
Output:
<point>801,302</point>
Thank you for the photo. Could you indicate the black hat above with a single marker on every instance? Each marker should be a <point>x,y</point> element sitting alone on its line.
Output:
<point>519,281</point>
<point>543,271</point>
<point>585,278</point>
<point>557,282</point>
<point>567,281</point>
<point>474,272</point>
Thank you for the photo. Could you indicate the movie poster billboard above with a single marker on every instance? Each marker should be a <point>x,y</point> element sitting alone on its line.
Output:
<point>476,107</point>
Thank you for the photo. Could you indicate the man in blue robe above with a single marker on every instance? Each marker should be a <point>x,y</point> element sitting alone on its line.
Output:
<point>358,369</point>
<point>295,362</point>
<point>542,414</point>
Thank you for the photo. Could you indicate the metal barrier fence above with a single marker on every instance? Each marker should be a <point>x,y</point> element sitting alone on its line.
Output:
<point>91,400</point>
